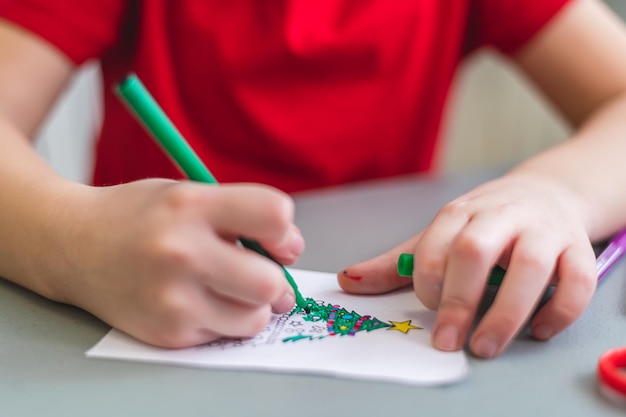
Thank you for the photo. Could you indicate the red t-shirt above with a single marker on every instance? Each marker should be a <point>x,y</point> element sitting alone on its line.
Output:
<point>293,93</point>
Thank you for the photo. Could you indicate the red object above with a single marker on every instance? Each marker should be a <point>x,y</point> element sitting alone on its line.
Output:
<point>611,370</point>
<point>353,277</point>
<point>297,94</point>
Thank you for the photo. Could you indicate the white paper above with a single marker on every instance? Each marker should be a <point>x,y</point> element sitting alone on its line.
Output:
<point>399,350</point>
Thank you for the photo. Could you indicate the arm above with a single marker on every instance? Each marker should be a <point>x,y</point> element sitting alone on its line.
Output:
<point>538,219</point>
<point>156,258</point>
<point>588,85</point>
<point>26,94</point>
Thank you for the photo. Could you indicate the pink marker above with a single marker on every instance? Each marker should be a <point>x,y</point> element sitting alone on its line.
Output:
<point>611,254</point>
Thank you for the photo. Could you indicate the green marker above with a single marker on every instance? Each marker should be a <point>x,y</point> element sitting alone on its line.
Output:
<point>405,269</point>
<point>154,119</point>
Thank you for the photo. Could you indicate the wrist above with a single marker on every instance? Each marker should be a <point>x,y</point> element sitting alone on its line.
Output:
<point>42,237</point>
<point>566,191</point>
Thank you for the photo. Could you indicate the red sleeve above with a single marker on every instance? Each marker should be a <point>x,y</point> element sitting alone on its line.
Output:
<point>508,24</point>
<point>80,29</point>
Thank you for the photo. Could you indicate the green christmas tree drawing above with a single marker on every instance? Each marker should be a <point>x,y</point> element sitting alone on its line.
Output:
<point>341,322</point>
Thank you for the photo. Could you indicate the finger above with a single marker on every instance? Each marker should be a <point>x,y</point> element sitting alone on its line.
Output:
<point>232,319</point>
<point>472,255</point>
<point>528,275</point>
<point>243,276</point>
<point>255,212</point>
<point>289,253</point>
<point>576,284</point>
<point>377,275</point>
<point>190,315</point>
<point>431,252</point>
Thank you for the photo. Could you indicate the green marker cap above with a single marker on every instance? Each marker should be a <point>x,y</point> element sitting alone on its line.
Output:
<point>405,265</point>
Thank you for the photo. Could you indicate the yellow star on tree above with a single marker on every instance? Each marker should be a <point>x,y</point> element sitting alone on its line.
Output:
<point>403,326</point>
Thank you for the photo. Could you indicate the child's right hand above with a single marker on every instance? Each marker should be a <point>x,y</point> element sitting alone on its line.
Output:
<point>158,259</point>
<point>155,258</point>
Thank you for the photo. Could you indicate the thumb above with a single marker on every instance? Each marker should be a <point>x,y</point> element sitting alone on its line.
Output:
<point>377,275</point>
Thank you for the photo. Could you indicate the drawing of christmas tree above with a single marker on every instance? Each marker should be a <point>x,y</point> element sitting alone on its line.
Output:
<point>342,322</point>
<point>339,321</point>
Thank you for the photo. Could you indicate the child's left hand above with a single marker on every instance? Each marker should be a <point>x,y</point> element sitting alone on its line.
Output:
<point>532,225</point>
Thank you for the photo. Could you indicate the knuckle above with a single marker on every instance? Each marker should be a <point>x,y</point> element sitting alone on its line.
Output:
<point>533,261</point>
<point>172,302</point>
<point>456,208</point>
<point>172,330</point>
<point>509,321</point>
<point>429,301</point>
<point>277,210</point>
<point>472,246</point>
<point>586,282</point>
<point>278,206</point>
<point>507,208</point>
<point>429,267</point>
<point>565,312</point>
<point>267,289</point>
<point>173,338</point>
<point>182,196</point>
<point>567,309</point>
<point>457,304</point>
<point>172,251</point>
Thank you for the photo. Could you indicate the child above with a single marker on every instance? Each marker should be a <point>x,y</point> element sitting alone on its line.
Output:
<point>297,94</point>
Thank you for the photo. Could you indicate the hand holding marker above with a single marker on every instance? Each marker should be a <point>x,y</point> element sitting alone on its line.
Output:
<point>152,117</point>
<point>613,252</point>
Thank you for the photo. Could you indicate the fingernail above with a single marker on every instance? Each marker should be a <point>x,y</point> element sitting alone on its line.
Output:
<point>297,243</point>
<point>542,331</point>
<point>352,277</point>
<point>285,304</point>
<point>486,346</point>
<point>446,337</point>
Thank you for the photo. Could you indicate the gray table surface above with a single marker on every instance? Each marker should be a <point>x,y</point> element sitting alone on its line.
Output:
<point>44,372</point>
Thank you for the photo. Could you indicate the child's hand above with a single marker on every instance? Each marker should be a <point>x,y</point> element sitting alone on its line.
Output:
<point>533,226</point>
<point>158,259</point>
